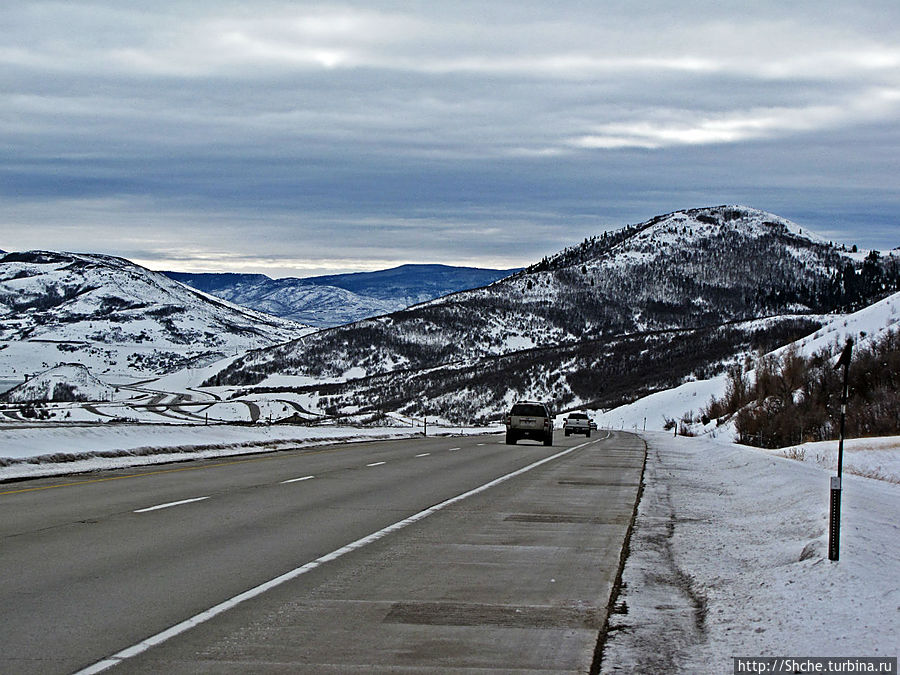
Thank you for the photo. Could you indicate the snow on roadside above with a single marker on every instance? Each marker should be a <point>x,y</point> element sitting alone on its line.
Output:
<point>870,457</point>
<point>729,558</point>
<point>651,412</point>
<point>31,452</point>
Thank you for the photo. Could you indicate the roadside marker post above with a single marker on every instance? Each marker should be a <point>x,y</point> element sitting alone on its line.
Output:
<point>834,520</point>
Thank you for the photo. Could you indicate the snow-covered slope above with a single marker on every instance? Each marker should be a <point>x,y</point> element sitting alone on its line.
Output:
<point>685,401</point>
<point>868,324</point>
<point>117,318</point>
<point>65,382</point>
<point>623,312</point>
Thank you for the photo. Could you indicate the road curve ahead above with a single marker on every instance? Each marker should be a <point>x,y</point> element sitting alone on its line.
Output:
<point>425,555</point>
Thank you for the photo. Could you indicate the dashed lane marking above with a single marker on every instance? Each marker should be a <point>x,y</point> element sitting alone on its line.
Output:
<point>208,614</point>
<point>328,449</point>
<point>165,506</point>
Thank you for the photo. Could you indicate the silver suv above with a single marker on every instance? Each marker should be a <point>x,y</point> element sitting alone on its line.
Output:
<point>529,419</point>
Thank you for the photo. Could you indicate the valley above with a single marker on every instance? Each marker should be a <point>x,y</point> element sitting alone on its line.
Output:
<point>643,309</point>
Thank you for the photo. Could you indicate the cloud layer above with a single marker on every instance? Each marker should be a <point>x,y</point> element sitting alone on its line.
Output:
<point>286,137</point>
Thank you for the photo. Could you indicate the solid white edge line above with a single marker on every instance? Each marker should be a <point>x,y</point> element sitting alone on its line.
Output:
<point>208,614</point>
<point>376,463</point>
<point>165,506</point>
<point>294,480</point>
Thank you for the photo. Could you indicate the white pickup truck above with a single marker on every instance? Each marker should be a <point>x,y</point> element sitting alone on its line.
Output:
<point>577,423</point>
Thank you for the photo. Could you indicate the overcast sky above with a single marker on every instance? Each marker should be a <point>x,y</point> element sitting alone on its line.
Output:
<point>297,139</point>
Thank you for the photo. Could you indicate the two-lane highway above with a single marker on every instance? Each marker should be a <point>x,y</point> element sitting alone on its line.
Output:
<point>94,564</point>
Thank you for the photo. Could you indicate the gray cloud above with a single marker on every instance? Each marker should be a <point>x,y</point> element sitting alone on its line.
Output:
<point>283,136</point>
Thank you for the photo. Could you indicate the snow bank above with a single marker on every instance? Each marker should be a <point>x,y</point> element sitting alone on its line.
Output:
<point>729,558</point>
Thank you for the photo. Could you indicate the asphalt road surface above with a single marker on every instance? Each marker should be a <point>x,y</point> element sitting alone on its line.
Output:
<point>426,555</point>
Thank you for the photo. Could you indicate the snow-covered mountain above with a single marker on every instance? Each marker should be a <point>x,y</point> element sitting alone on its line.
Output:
<point>339,299</point>
<point>117,318</point>
<point>293,299</point>
<point>621,314</point>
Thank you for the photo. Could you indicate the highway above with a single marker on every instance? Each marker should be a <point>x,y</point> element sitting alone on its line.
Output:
<point>426,555</point>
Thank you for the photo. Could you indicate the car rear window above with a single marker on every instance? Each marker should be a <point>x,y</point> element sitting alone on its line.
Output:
<point>528,410</point>
<point>578,416</point>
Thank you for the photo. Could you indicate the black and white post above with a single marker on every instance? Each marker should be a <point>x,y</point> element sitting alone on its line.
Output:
<point>834,525</point>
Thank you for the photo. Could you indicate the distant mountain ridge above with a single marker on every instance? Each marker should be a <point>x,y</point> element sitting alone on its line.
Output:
<point>623,313</point>
<point>337,299</point>
<point>414,283</point>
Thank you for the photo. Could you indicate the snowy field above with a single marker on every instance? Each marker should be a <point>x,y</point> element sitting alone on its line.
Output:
<point>729,558</point>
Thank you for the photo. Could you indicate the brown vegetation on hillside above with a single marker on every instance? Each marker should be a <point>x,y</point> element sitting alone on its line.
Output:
<point>796,399</point>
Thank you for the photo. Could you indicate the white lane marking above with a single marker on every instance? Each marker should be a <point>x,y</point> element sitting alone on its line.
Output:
<point>376,463</point>
<point>480,444</point>
<point>452,449</point>
<point>294,480</point>
<point>424,454</point>
<point>208,614</point>
<point>165,506</point>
